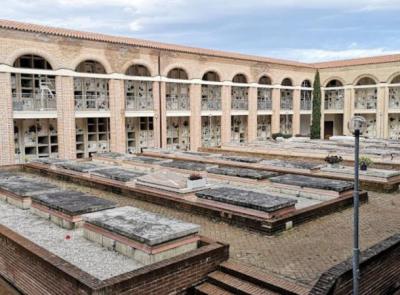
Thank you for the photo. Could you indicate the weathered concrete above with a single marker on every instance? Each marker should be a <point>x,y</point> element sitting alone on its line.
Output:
<point>25,187</point>
<point>188,165</point>
<point>119,174</point>
<point>141,226</point>
<point>242,159</point>
<point>242,172</point>
<point>72,202</point>
<point>290,164</point>
<point>314,182</point>
<point>373,172</point>
<point>49,161</point>
<point>148,160</point>
<point>245,198</point>
<point>80,166</point>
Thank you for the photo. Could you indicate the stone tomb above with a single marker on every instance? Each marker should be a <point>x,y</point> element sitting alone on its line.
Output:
<point>119,174</point>
<point>171,181</point>
<point>65,207</point>
<point>188,165</point>
<point>49,161</point>
<point>327,186</point>
<point>143,236</point>
<point>80,166</point>
<point>272,205</point>
<point>291,164</point>
<point>148,160</point>
<point>242,159</point>
<point>18,190</point>
<point>371,172</point>
<point>242,172</point>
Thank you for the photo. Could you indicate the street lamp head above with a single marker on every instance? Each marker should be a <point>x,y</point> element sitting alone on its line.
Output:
<point>357,123</point>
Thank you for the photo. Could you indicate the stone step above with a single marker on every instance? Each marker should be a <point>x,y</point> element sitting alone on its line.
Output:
<point>262,279</point>
<point>210,289</point>
<point>236,285</point>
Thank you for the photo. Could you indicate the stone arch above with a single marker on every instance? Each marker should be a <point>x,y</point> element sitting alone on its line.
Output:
<point>330,79</point>
<point>97,66</point>
<point>264,80</point>
<point>240,78</point>
<point>131,63</point>
<point>171,67</point>
<point>215,76</point>
<point>101,60</point>
<point>138,70</point>
<point>287,82</point>
<point>32,61</point>
<point>178,73</point>
<point>394,78</point>
<point>367,77</point>
<point>306,83</point>
<point>33,51</point>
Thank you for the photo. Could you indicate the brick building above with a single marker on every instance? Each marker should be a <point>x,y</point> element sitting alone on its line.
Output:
<point>69,94</point>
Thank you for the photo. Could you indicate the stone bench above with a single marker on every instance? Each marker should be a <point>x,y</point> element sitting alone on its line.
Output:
<point>141,235</point>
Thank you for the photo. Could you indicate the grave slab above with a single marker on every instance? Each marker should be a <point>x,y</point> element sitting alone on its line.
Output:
<point>148,160</point>
<point>119,174</point>
<point>313,182</point>
<point>248,199</point>
<point>144,236</point>
<point>49,161</point>
<point>373,172</point>
<point>242,159</point>
<point>80,166</point>
<point>291,164</point>
<point>188,165</point>
<point>242,172</point>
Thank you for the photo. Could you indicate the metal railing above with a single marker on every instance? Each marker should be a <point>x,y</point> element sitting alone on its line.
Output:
<point>334,104</point>
<point>211,104</point>
<point>240,104</point>
<point>33,102</point>
<point>136,103</point>
<point>91,102</point>
<point>287,104</point>
<point>305,104</point>
<point>264,104</point>
<point>178,103</point>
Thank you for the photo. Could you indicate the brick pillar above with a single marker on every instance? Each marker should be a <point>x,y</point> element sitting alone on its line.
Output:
<point>381,113</point>
<point>348,109</point>
<point>195,116</point>
<point>157,110</point>
<point>7,148</point>
<point>117,116</point>
<point>252,118</point>
<point>296,112</point>
<point>276,110</point>
<point>163,112</point>
<point>66,117</point>
<point>226,114</point>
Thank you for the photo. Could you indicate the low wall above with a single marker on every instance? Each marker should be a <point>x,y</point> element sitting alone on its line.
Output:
<point>379,269</point>
<point>34,270</point>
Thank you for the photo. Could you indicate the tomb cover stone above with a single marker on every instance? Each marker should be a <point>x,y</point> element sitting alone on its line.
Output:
<point>246,198</point>
<point>148,160</point>
<point>49,161</point>
<point>188,165</point>
<point>72,202</point>
<point>373,172</point>
<point>242,159</point>
<point>112,155</point>
<point>25,187</point>
<point>200,154</point>
<point>165,179</point>
<point>242,172</point>
<point>141,226</point>
<point>313,182</point>
<point>80,166</point>
<point>290,164</point>
<point>118,174</point>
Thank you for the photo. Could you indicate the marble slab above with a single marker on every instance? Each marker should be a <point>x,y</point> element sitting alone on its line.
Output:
<point>141,226</point>
<point>72,202</point>
<point>188,165</point>
<point>118,174</point>
<point>148,160</point>
<point>290,164</point>
<point>80,166</point>
<point>373,172</point>
<point>242,159</point>
<point>242,172</point>
<point>112,155</point>
<point>25,187</point>
<point>48,161</point>
<point>313,182</point>
<point>246,198</point>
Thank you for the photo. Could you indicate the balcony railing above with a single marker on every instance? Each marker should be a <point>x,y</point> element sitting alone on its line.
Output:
<point>178,103</point>
<point>305,104</point>
<point>136,103</point>
<point>240,104</point>
<point>394,97</point>
<point>91,102</point>
<point>366,99</point>
<point>211,104</point>
<point>263,105</point>
<point>334,99</point>
<point>334,104</point>
<point>286,104</point>
<point>33,102</point>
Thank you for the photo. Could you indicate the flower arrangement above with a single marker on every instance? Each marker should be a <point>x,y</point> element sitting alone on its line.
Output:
<point>334,159</point>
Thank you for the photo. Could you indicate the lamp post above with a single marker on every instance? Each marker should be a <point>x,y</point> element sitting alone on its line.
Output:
<point>357,126</point>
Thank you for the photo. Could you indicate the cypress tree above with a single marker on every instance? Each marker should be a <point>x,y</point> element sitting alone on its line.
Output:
<point>315,132</point>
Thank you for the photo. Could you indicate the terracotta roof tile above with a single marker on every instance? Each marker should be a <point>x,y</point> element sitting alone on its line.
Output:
<point>358,61</point>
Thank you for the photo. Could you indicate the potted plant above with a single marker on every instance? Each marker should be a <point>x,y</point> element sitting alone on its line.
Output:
<point>365,162</point>
<point>333,160</point>
<point>195,181</point>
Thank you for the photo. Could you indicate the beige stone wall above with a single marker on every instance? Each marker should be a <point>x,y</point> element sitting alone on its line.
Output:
<point>6,121</point>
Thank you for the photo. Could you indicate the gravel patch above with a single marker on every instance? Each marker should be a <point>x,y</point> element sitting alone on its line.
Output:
<point>88,256</point>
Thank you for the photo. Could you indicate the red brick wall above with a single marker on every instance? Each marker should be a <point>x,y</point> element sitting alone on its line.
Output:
<point>379,268</point>
<point>33,270</point>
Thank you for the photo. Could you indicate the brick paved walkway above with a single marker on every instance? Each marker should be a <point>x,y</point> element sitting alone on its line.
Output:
<point>301,254</point>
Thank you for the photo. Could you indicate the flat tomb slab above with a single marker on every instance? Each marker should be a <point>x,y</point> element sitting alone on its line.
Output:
<point>372,172</point>
<point>170,181</point>
<point>248,199</point>
<point>112,155</point>
<point>147,160</point>
<point>80,166</point>
<point>291,164</point>
<point>242,172</point>
<point>188,165</point>
<point>118,174</point>
<point>49,161</point>
<point>313,182</point>
<point>242,159</point>
<point>144,236</point>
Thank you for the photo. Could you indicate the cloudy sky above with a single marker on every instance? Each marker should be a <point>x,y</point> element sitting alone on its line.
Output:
<point>307,30</point>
